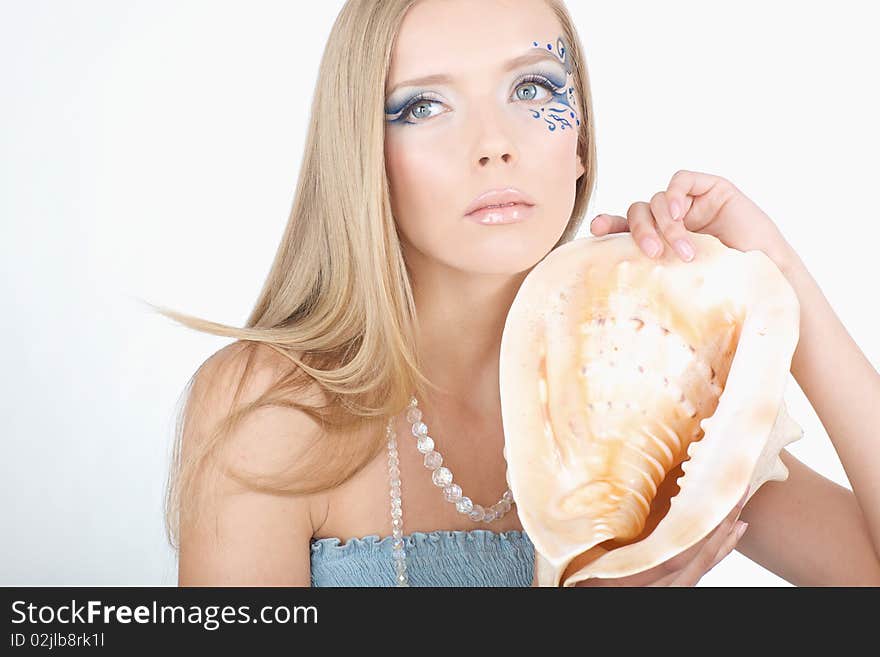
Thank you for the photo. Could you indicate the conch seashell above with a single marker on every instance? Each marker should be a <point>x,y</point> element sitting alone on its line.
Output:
<point>640,398</point>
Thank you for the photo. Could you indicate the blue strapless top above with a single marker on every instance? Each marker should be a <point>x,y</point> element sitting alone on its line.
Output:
<point>478,557</point>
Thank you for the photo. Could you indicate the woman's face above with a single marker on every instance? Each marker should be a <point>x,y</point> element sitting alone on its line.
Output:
<point>487,126</point>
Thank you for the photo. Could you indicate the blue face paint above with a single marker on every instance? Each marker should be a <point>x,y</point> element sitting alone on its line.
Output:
<point>559,111</point>
<point>545,76</point>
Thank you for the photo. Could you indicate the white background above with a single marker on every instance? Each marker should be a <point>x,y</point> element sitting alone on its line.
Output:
<point>151,149</point>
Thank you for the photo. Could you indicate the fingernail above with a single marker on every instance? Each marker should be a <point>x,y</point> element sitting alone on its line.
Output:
<point>740,528</point>
<point>674,209</point>
<point>651,246</point>
<point>685,250</point>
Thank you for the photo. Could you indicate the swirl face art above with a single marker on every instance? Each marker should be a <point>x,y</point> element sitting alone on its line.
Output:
<point>560,111</point>
<point>552,75</point>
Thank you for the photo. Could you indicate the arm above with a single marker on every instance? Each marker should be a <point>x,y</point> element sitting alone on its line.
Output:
<point>808,529</point>
<point>245,538</point>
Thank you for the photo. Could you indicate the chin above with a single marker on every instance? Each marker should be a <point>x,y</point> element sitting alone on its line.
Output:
<point>510,254</point>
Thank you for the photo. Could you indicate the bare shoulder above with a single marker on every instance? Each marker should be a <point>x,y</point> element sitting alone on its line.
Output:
<point>251,538</point>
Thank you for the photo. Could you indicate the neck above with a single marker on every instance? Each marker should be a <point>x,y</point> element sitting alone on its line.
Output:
<point>461,319</point>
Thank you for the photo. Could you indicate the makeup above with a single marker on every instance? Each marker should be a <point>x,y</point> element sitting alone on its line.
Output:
<point>511,213</point>
<point>557,112</point>
<point>560,112</point>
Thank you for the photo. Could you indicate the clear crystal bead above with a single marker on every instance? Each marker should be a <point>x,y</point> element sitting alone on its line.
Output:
<point>397,544</point>
<point>476,513</point>
<point>395,489</point>
<point>464,505</point>
<point>397,512</point>
<point>442,476</point>
<point>419,429</point>
<point>392,453</point>
<point>425,444</point>
<point>452,493</point>
<point>401,579</point>
<point>489,515</point>
<point>395,502</point>
<point>413,415</point>
<point>433,460</point>
<point>397,522</point>
<point>508,496</point>
<point>399,554</point>
<point>397,532</point>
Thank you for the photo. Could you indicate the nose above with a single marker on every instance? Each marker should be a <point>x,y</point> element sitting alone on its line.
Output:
<point>504,157</point>
<point>493,142</point>
<point>495,149</point>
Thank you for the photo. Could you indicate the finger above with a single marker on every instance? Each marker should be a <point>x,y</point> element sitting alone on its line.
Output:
<point>686,574</point>
<point>666,580</point>
<point>694,572</point>
<point>717,545</point>
<point>687,184</point>
<point>604,224</point>
<point>712,544</point>
<point>732,541</point>
<point>673,232</point>
<point>697,197</point>
<point>644,230</point>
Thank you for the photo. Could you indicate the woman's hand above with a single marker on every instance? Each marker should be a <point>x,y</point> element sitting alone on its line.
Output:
<point>700,203</point>
<point>686,568</point>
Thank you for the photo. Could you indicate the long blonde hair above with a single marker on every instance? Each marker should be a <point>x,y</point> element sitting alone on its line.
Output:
<point>338,292</point>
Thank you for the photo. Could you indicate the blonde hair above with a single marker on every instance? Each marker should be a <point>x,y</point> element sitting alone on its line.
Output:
<point>338,291</point>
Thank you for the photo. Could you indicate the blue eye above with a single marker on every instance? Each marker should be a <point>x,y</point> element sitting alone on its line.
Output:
<point>424,99</point>
<point>540,80</point>
<point>421,99</point>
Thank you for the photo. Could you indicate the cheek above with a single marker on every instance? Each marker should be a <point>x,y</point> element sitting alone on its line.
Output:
<point>555,124</point>
<point>550,155</point>
<point>544,139</point>
<point>559,115</point>
<point>422,176</point>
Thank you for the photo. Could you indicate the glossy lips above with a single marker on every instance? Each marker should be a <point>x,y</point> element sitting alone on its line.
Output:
<point>500,206</point>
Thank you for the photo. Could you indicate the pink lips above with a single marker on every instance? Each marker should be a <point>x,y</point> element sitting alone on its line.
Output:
<point>500,206</point>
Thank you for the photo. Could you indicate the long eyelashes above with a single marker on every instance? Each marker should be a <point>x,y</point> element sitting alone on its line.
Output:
<point>398,117</point>
<point>404,113</point>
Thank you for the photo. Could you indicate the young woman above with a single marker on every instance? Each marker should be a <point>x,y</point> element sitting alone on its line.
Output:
<point>387,286</point>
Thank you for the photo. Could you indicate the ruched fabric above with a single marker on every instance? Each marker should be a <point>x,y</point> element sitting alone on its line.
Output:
<point>478,557</point>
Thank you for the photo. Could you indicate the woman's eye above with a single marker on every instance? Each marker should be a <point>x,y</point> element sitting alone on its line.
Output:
<point>417,109</point>
<point>533,83</point>
<point>420,108</point>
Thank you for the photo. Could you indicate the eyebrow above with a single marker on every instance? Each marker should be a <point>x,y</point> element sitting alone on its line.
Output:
<point>534,55</point>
